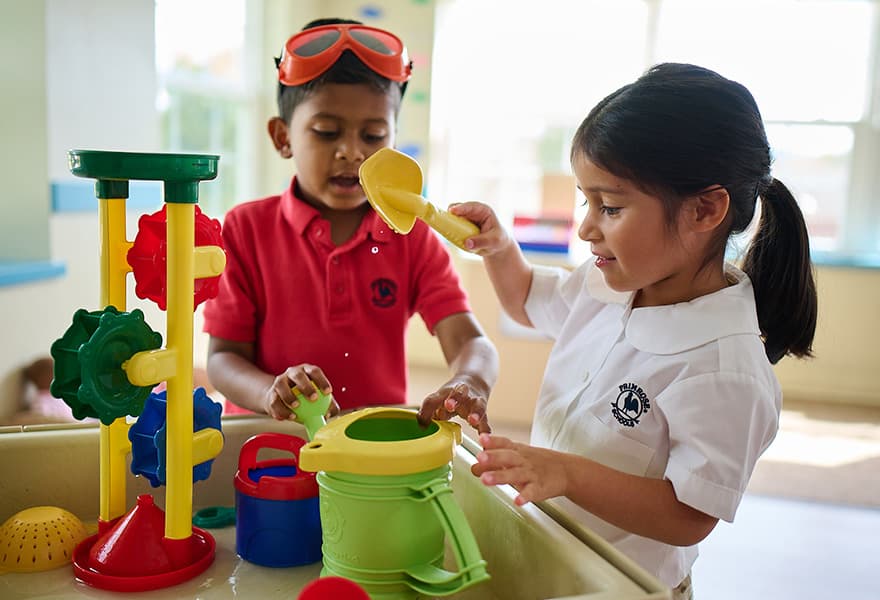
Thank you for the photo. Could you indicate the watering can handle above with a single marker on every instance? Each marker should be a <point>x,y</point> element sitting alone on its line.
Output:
<point>433,581</point>
<point>247,458</point>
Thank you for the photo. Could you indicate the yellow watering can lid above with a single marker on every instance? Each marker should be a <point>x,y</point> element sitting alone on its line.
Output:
<point>380,441</point>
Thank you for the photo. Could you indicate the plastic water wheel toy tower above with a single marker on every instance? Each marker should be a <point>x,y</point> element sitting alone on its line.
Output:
<point>109,360</point>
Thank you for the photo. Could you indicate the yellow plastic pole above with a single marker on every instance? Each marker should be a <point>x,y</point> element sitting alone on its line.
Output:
<point>114,443</point>
<point>179,441</point>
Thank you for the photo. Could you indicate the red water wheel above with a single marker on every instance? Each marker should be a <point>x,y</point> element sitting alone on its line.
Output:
<point>149,261</point>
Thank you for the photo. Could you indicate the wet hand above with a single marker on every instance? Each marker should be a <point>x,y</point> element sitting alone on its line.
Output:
<point>280,399</point>
<point>536,473</point>
<point>465,397</point>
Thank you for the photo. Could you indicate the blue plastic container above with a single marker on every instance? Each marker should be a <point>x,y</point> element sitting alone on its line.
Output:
<point>277,520</point>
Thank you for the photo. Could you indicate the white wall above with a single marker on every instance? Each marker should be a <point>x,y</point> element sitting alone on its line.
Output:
<point>24,202</point>
<point>98,91</point>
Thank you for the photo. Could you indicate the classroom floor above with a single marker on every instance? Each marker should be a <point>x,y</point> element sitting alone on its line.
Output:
<point>809,525</point>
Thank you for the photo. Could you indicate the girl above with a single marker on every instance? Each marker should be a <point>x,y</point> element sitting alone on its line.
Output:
<point>658,396</point>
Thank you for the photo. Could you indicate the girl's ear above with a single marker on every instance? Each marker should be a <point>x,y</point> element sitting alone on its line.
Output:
<point>280,135</point>
<point>708,208</point>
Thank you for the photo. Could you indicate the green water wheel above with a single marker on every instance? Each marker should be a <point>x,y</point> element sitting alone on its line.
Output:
<point>65,352</point>
<point>97,344</point>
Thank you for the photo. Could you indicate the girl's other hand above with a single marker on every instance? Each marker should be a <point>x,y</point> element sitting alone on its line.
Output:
<point>536,473</point>
<point>493,237</point>
<point>463,396</point>
<point>279,399</point>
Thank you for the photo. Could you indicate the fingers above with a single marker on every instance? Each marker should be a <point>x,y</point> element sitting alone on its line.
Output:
<point>432,408</point>
<point>281,397</point>
<point>308,379</point>
<point>468,405</point>
<point>536,473</point>
<point>334,407</point>
<point>492,236</point>
<point>480,422</point>
<point>473,211</point>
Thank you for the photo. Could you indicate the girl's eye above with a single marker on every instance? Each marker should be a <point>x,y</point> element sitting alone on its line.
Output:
<point>610,210</point>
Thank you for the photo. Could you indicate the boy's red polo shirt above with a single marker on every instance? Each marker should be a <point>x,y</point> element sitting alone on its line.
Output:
<point>300,299</point>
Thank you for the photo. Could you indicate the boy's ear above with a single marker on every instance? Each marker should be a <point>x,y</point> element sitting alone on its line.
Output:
<point>280,135</point>
<point>708,208</point>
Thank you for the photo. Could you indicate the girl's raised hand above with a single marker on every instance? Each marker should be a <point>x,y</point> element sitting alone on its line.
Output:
<point>493,237</point>
<point>536,473</point>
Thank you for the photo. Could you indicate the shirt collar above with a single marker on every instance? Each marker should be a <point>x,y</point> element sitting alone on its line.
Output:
<point>674,328</point>
<point>300,214</point>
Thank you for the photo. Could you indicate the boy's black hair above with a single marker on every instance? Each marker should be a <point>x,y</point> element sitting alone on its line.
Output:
<point>680,129</point>
<point>347,69</point>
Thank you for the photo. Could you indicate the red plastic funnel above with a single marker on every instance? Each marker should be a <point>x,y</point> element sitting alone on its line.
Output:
<point>133,555</point>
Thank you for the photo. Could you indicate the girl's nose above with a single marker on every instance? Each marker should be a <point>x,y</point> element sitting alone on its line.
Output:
<point>587,230</point>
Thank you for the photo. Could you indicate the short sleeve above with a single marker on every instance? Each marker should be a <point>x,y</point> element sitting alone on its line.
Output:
<point>719,425</point>
<point>231,315</point>
<point>437,290</point>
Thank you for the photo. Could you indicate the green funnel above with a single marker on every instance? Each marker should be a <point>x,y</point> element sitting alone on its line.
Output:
<point>311,412</point>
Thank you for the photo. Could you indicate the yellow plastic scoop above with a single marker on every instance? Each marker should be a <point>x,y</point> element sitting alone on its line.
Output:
<point>392,182</point>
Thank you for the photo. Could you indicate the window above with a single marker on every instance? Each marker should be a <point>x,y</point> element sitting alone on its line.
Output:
<point>507,99</point>
<point>207,96</point>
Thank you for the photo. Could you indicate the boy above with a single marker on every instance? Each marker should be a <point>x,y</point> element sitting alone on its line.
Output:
<point>317,288</point>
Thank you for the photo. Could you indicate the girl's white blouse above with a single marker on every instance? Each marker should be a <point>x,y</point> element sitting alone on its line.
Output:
<point>681,392</point>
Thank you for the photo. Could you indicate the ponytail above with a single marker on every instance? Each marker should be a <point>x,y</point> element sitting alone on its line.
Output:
<point>778,263</point>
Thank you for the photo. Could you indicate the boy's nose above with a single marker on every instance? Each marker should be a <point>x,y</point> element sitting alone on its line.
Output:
<point>350,149</point>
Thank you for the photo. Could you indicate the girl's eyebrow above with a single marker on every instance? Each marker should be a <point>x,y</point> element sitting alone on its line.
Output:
<point>601,190</point>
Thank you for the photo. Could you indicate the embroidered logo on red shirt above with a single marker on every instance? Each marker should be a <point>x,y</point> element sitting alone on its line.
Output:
<point>384,292</point>
<point>630,404</point>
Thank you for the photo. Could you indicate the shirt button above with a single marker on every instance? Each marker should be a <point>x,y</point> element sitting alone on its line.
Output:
<point>345,355</point>
<point>343,388</point>
<point>319,232</point>
<point>374,250</point>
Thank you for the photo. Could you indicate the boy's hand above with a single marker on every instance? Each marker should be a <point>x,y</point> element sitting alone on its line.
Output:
<point>279,399</point>
<point>493,237</point>
<point>463,396</point>
<point>536,473</point>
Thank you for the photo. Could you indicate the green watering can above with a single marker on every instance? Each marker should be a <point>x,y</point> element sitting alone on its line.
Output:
<point>387,507</point>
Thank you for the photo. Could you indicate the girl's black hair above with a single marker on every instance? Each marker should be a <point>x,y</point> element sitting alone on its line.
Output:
<point>347,69</point>
<point>680,129</point>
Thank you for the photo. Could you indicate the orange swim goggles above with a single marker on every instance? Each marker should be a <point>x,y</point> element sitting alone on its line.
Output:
<point>310,53</point>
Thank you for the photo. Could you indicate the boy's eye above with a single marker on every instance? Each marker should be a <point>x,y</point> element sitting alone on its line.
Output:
<point>326,133</point>
<point>375,138</point>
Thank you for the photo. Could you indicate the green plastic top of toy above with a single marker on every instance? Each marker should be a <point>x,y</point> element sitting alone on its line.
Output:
<point>311,413</point>
<point>113,170</point>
